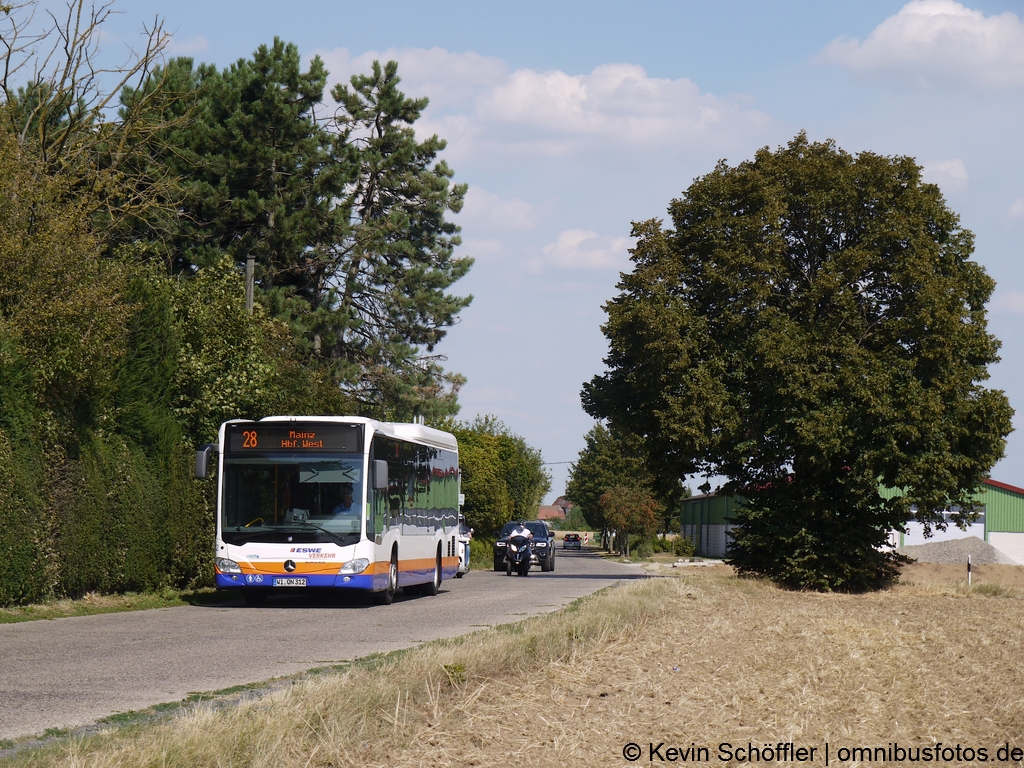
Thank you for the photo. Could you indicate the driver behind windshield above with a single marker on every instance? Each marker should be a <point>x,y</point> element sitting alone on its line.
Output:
<point>346,506</point>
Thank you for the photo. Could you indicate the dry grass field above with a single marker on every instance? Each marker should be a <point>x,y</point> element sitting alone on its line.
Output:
<point>940,573</point>
<point>697,660</point>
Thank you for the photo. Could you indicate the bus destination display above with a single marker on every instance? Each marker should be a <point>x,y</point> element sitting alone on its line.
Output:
<point>297,438</point>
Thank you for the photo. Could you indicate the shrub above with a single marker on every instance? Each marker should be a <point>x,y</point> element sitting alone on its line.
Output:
<point>481,552</point>
<point>640,546</point>
<point>684,547</point>
<point>662,544</point>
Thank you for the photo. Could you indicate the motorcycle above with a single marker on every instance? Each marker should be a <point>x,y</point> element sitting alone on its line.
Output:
<point>517,555</point>
<point>465,536</point>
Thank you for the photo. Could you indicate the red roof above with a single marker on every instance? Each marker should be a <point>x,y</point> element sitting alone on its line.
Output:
<point>1005,486</point>
<point>550,512</point>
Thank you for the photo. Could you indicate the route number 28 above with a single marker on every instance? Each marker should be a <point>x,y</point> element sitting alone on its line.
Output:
<point>249,439</point>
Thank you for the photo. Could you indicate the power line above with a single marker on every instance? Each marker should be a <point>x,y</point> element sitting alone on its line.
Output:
<point>546,463</point>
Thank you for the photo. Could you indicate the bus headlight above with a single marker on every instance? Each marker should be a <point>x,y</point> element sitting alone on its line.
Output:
<point>227,566</point>
<point>358,565</point>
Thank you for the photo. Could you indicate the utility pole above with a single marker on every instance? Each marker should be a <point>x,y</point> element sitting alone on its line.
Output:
<point>249,277</point>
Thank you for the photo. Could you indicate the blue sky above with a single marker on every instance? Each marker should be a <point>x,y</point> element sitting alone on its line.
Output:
<point>570,120</point>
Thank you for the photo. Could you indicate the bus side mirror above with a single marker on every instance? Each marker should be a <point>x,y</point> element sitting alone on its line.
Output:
<point>203,459</point>
<point>380,475</point>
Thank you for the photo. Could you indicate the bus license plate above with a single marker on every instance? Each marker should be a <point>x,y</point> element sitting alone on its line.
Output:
<point>294,582</point>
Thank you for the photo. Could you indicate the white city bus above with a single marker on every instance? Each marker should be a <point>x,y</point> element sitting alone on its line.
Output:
<point>339,502</point>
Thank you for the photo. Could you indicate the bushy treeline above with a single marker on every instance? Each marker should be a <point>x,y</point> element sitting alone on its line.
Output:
<point>503,478</point>
<point>124,333</point>
<point>612,486</point>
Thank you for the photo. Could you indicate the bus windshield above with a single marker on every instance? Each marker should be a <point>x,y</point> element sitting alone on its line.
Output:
<point>293,498</point>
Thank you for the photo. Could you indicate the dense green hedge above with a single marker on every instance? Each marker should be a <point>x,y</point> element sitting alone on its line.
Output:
<point>23,572</point>
<point>96,486</point>
<point>111,520</point>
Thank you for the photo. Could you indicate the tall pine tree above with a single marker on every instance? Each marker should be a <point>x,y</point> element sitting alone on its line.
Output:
<point>345,216</point>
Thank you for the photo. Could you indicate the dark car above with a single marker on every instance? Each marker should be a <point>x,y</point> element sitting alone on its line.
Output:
<point>572,541</point>
<point>543,545</point>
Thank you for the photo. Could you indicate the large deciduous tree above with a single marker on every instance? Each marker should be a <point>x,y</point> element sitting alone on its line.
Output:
<point>629,511</point>
<point>813,328</point>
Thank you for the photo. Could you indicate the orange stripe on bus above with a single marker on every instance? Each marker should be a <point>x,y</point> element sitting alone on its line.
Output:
<point>419,564</point>
<point>314,566</point>
<point>332,566</point>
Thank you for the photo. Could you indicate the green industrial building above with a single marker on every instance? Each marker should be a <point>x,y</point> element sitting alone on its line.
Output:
<point>707,519</point>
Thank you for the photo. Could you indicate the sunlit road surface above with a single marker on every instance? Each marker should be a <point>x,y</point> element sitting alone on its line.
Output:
<point>71,672</point>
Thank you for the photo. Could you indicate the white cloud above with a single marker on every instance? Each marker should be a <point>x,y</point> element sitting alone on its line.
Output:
<point>1008,303</point>
<point>950,175</point>
<point>448,79</point>
<point>1016,209</point>
<point>483,208</point>
<point>583,249</point>
<point>476,102</point>
<point>938,40</point>
<point>615,102</point>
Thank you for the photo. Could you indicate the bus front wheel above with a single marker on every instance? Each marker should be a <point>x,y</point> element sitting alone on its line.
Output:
<point>387,596</point>
<point>434,586</point>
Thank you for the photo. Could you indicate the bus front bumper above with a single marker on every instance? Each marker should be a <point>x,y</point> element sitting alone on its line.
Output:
<point>288,581</point>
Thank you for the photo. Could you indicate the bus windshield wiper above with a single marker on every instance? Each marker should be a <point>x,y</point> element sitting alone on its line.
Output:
<point>340,540</point>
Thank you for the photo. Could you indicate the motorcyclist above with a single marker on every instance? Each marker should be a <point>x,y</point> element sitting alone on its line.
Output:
<point>521,537</point>
<point>521,530</point>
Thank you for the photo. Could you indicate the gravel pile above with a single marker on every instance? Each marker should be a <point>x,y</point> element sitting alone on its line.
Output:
<point>956,551</point>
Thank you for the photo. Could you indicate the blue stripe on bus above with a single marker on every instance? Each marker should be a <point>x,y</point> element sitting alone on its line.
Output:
<point>359,581</point>
<point>367,581</point>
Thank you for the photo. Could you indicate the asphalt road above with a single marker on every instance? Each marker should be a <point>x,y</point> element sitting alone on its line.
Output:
<point>71,672</point>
